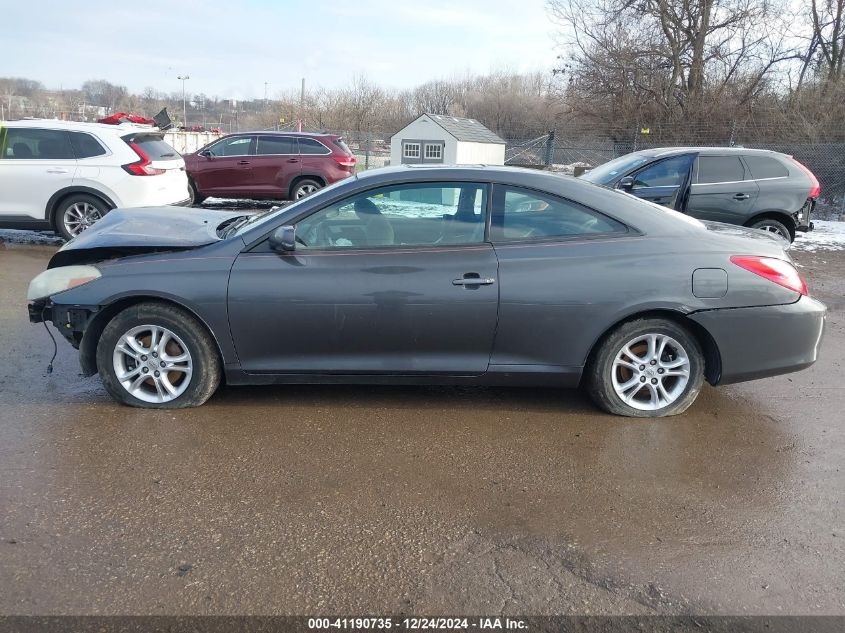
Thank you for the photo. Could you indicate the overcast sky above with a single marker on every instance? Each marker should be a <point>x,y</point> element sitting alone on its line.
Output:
<point>231,47</point>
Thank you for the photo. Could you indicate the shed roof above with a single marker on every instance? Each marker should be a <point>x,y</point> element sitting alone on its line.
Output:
<point>465,129</point>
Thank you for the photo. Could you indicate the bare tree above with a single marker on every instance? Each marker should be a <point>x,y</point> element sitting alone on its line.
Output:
<point>668,59</point>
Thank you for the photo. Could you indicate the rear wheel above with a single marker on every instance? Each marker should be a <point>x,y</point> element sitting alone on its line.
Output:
<point>305,188</point>
<point>77,213</point>
<point>646,368</point>
<point>157,356</point>
<point>774,226</point>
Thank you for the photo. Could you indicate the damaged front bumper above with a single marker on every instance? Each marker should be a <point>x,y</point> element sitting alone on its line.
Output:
<point>71,321</point>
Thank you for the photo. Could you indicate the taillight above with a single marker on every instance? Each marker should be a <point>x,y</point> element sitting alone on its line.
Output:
<point>815,187</point>
<point>777,270</point>
<point>141,167</point>
<point>345,161</point>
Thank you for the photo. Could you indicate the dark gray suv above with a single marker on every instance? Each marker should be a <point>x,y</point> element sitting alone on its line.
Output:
<point>751,187</point>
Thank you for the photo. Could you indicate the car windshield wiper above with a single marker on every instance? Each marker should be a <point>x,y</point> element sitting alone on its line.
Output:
<point>226,229</point>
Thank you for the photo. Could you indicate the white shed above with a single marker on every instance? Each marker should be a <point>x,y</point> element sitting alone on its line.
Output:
<point>436,138</point>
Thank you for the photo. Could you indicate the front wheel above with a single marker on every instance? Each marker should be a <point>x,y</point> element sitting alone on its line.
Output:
<point>77,213</point>
<point>157,356</point>
<point>646,368</point>
<point>194,194</point>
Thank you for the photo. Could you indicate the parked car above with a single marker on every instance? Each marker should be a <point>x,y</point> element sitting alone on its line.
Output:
<point>750,187</point>
<point>67,176</point>
<point>268,165</point>
<point>460,275</point>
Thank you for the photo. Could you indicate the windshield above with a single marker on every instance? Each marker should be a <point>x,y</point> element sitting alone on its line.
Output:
<point>259,219</point>
<point>607,173</point>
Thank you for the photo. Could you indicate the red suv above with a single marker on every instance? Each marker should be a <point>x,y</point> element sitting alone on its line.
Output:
<point>268,165</point>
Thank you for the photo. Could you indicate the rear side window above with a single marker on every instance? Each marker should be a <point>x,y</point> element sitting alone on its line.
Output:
<point>720,169</point>
<point>276,145</point>
<point>154,146</point>
<point>520,214</point>
<point>765,167</point>
<point>85,145</point>
<point>310,146</point>
<point>35,144</point>
<point>342,145</point>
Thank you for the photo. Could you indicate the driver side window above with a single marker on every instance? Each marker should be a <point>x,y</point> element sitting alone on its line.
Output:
<point>670,172</point>
<point>235,146</point>
<point>418,214</point>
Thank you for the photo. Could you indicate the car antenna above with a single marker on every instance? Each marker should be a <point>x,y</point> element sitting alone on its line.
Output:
<point>52,338</point>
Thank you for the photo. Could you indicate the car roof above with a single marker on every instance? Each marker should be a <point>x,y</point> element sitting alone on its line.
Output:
<point>504,174</point>
<point>81,125</point>
<point>283,133</point>
<point>669,151</point>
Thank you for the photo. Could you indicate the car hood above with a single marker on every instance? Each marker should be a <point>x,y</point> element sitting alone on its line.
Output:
<point>143,230</point>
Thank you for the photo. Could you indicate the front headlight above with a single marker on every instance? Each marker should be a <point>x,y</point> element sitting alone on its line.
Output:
<point>59,279</point>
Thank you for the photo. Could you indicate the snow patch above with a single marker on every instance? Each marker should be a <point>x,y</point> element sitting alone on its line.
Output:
<point>15,236</point>
<point>826,236</point>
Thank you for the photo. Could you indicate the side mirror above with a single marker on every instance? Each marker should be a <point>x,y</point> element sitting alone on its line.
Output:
<point>207,153</point>
<point>283,239</point>
<point>625,184</point>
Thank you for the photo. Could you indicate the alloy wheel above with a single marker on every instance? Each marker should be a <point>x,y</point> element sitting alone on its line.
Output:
<point>79,216</point>
<point>152,363</point>
<point>770,228</point>
<point>305,190</point>
<point>650,372</point>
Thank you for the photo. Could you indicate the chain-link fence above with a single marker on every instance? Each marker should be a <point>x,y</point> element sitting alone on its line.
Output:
<point>574,150</point>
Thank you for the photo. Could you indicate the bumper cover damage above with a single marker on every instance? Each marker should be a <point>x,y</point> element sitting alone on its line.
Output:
<point>70,321</point>
<point>765,341</point>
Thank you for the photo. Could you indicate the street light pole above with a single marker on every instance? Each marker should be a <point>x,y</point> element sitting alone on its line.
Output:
<point>183,79</point>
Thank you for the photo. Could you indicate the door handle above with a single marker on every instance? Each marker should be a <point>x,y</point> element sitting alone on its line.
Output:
<point>243,162</point>
<point>741,196</point>
<point>473,279</point>
<point>293,160</point>
<point>58,171</point>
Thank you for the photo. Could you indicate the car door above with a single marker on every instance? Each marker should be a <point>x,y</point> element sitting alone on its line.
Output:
<point>561,272</point>
<point>35,163</point>
<point>722,190</point>
<point>223,169</point>
<point>386,281</point>
<point>664,181</point>
<point>275,164</point>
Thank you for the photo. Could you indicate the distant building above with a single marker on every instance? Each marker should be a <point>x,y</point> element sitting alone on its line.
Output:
<point>436,138</point>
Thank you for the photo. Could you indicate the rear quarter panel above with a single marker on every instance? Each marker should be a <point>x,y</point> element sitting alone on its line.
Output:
<point>557,299</point>
<point>785,195</point>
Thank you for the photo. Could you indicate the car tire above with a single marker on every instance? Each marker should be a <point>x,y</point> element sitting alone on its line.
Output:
<point>194,195</point>
<point>305,188</point>
<point>76,213</point>
<point>774,226</point>
<point>184,347</point>
<point>625,375</point>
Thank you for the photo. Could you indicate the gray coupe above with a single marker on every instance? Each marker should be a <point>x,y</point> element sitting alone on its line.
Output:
<point>449,275</point>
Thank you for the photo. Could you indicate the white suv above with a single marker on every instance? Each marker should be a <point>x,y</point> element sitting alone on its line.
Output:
<point>69,175</point>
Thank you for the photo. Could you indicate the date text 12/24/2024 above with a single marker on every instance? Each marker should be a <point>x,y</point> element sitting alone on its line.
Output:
<point>417,623</point>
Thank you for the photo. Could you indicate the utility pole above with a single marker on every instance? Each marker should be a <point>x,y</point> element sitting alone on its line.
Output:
<point>301,106</point>
<point>266,83</point>
<point>183,79</point>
